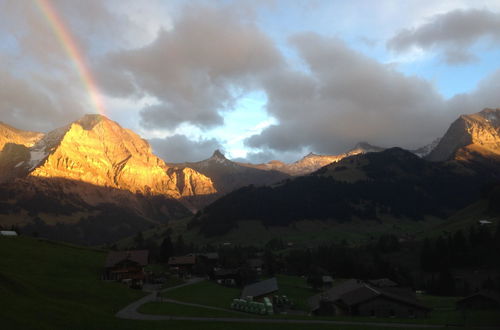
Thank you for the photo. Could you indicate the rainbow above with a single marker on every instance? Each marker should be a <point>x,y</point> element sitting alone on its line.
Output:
<point>73,51</point>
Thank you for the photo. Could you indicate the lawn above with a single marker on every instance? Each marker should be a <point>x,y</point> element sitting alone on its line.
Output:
<point>205,293</point>
<point>172,309</point>
<point>295,288</point>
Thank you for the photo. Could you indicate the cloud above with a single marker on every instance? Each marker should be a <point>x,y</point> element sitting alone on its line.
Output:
<point>452,33</point>
<point>484,96</point>
<point>345,98</point>
<point>194,70</point>
<point>25,105</point>
<point>178,148</point>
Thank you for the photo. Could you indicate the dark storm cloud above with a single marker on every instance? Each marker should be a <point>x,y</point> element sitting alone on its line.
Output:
<point>178,148</point>
<point>453,33</point>
<point>194,70</point>
<point>345,98</point>
<point>24,105</point>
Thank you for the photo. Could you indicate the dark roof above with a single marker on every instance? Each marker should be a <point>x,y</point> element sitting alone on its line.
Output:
<point>139,256</point>
<point>261,288</point>
<point>226,272</point>
<point>334,293</point>
<point>382,282</point>
<point>359,295</point>
<point>184,260</point>
<point>488,294</point>
<point>255,262</point>
<point>353,292</point>
<point>208,255</point>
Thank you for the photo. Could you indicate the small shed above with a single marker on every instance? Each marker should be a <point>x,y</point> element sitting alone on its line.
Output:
<point>484,299</point>
<point>327,281</point>
<point>261,289</point>
<point>8,233</point>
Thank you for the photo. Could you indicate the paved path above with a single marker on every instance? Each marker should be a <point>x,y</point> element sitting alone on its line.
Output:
<point>130,312</point>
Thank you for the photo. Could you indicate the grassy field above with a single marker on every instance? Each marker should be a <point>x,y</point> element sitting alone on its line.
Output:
<point>172,309</point>
<point>296,289</point>
<point>205,293</point>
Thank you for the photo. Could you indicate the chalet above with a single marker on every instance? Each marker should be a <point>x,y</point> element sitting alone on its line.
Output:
<point>483,299</point>
<point>227,276</point>
<point>183,264</point>
<point>8,233</point>
<point>260,290</point>
<point>355,297</point>
<point>127,266</point>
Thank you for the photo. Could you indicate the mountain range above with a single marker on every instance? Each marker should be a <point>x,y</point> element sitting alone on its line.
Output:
<point>93,175</point>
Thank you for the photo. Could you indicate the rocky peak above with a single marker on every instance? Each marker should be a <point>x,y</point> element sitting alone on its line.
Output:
<point>218,155</point>
<point>364,147</point>
<point>97,150</point>
<point>88,121</point>
<point>481,130</point>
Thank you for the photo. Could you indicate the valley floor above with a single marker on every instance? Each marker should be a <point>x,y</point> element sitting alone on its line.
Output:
<point>49,285</point>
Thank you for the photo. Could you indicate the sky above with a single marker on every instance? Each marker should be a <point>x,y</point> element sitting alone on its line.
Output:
<point>259,80</point>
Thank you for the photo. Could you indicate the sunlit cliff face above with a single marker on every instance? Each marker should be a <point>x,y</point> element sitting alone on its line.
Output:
<point>477,133</point>
<point>97,150</point>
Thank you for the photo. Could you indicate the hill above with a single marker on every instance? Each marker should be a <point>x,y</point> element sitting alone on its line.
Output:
<point>370,186</point>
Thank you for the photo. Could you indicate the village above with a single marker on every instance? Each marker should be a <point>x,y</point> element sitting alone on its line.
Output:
<point>202,279</point>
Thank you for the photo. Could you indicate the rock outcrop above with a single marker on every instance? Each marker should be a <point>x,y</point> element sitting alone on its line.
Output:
<point>9,134</point>
<point>479,133</point>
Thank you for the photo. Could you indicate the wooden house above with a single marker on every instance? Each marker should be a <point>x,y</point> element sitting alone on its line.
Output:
<point>127,266</point>
<point>183,265</point>
<point>355,297</point>
<point>484,299</point>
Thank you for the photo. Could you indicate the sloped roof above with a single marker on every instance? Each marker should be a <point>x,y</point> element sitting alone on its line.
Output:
<point>359,295</point>
<point>209,255</point>
<point>260,288</point>
<point>226,272</point>
<point>353,292</point>
<point>334,293</point>
<point>184,260</point>
<point>382,282</point>
<point>491,295</point>
<point>139,256</point>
